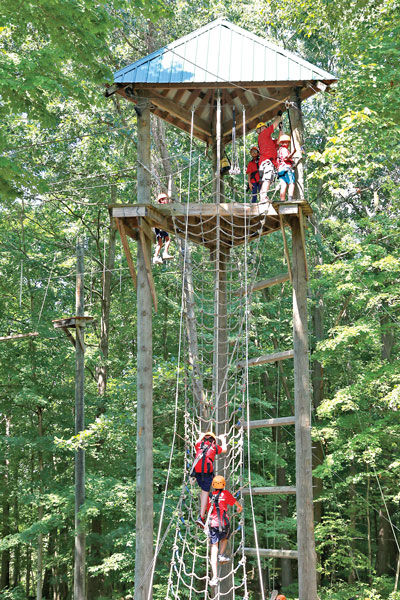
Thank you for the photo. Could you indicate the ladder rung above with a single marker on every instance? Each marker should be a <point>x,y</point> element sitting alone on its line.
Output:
<point>266,358</point>
<point>278,422</point>
<point>272,553</point>
<point>265,283</point>
<point>263,491</point>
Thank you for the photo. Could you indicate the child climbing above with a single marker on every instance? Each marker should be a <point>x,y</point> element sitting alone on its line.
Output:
<point>219,527</point>
<point>206,449</point>
<point>285,167</point>
<point>253,174</point>
<point>162,236</point>
<point>268,154</point>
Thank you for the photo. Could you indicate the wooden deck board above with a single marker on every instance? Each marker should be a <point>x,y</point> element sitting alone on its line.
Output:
<point>237,221</point>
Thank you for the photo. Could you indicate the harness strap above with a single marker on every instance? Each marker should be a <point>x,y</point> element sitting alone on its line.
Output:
<point>221,520</point>
<point>205,449</point>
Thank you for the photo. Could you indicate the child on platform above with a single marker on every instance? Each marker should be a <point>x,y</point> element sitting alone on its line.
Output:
<point>162,236</point>
<point>219,526</point>
<point>285,167</point>
<point>253,174</point>
<point>206,449</point>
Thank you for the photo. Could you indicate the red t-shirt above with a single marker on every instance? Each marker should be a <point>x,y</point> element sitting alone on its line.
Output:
<point>283,157</point>
<point>267,145</point>
<point>225,499</point>
<point>212,450</point>
<point>252,167</point>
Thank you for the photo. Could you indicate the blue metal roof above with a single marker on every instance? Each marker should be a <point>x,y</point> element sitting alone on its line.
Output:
<point>220,52</point>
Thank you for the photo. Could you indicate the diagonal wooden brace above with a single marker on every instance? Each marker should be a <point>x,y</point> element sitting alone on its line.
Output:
<point>148,267</point>
<point>127,251</point>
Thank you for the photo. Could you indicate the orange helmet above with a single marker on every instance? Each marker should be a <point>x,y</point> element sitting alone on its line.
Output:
<point>281,597</point>
<point>218,482</point>
<point>209,434</point>
<point>260,124</point>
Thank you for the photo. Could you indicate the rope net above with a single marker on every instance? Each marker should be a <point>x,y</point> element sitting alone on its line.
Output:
<point>215,397</point>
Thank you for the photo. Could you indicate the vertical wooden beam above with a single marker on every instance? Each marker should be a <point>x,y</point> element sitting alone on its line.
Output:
<point>144,452</point>
<point>302,400</point>
<point>285,247</point>
<point>80,536</point>
<point>296,121</point>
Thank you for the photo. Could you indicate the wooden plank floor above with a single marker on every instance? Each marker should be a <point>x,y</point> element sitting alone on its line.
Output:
<point>201,222</point>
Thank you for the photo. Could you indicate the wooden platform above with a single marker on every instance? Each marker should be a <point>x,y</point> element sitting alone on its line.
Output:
<point>200,223</point>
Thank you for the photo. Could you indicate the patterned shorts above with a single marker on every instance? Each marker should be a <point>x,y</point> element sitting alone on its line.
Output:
<point>267,170</point>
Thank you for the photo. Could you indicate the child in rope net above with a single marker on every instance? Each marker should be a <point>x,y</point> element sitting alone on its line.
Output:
<point>162,236</point>
<point>218,523</point>
<point>206,449</point>
<point>285,167</point>
<point>253,174</point>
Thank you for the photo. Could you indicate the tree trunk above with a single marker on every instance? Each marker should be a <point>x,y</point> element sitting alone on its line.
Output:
<point>5,555</point>
<point>105,306</point>
<point>28,571</point>
<point>95,582</point>
<point>352,513</point>
<point>17,551</point>
<point>47,589</point>
<point>39,563</point>
<point>386,550</point>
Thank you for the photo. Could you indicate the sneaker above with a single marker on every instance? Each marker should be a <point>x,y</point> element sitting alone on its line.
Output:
<point>157,260</point>
<point>223,558</point>
<point>166,256</point>
<point>214,581</point>
<point>200,522</point>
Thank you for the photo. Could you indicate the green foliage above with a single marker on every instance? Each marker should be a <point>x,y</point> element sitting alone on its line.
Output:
<point>66,153</point>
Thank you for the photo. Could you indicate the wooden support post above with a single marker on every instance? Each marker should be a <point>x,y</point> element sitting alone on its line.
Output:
<point>296,121</point>
<point>303,240</point>
<point>80,536</point>
<point>144,452</point>
<point>285,247</point>
<point>302,398</point>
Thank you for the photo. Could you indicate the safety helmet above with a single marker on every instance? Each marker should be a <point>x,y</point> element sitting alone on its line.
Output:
<point>255,148</point>
<point>281,597</point>
<point>209,434</point>
<point>218,482</point>
<point>260,124</point>
<point>284,138</point>
<point>161,196</point>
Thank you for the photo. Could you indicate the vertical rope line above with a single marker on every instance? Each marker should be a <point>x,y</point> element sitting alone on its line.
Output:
<point>20,283</point>
<point>247,395</point>
<point>244,154</point>
<point>216,386</point>
<point>47,287</point>
<point>190,157</point>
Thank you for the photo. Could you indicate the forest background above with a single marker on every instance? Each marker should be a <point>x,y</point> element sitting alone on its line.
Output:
<point>65,154</point>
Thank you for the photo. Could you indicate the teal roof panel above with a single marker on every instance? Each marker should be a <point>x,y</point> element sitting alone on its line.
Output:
<point>220,52</point>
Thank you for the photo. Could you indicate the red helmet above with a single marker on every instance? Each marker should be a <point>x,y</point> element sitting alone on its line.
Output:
<point>255,148</point>
<point>281,597</point>
<point>162,196</point>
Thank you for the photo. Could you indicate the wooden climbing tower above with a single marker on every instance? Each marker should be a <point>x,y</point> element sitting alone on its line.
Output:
<point>194,84</point>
